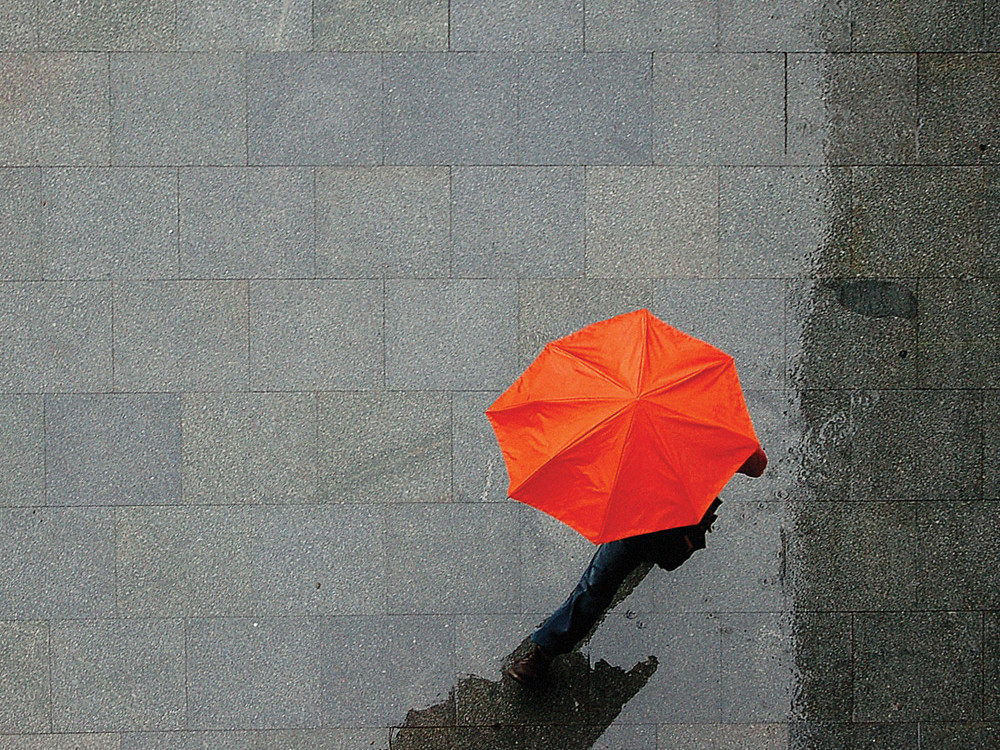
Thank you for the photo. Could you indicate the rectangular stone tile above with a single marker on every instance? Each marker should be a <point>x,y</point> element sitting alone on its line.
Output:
<point>384,447</point>
<point>917,221</point>
<point>99,25</point>
<point>314,335</point>
<point>517,222</point>
<point>849,556</point>
<point>852,108</point>
<point>477,466</point>
<point>959,342</point>
<point>249,448</point>
<point>991,26</point>
<point>991,666</point>
<point>781,222</point>
<point>61,741</point>
<point>919,445</point>
<point>823,673</point>
<point>113,675</point>
<point>18,26</point>
<point>450,109</point>
<point>953,735</point>
<point>991,444</point>
<point>757,667</point>
<point>821,444</point>
<point>746,319</point>
<point>20,225</point>
<point>627,737</point>
<point>175,109</point>
<point>483,643</point>
<point>104,223</point>
<point>723,736</point>
<point>58,336</point>
<point>314,109</point>
<point>270,739</point>
<point>512,25</point>
<point>320,560</point>
<point>246,223</point>
<point>584,109</point>
<point>233,666</point>
<point>180,562</point>
<point>55,111</point>
<point>59,562</point>
<point>800,26</point>
<point>244,25</point>
<point>385,26</point>
<point>113,450</point>
<point>664,25</point>
<point>840,735</point>
<point>743,569</point>
<point>957,555</point>
<point>775,415</point>
<point>452,559</point>
<point>552,309</point>
<point>382,221</point>
<point>24,677</point>
<point>944,27</point>
<point>718,108</point>
<point>845,333</point>
<point>22,451</point>
<point>460,335</point>
<point>917,666</point>
<point>652,222</point>
<point>181,335</point>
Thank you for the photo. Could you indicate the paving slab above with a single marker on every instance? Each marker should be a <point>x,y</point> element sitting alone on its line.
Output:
<point>661,25</point>
<point>278,739</point>
<point>722,109</point>
<point>958,337</point>
<point>951,537</point>
<point>246,222</point>
<point>384,447</point>
<point>178,109</point>
<point>916,666</point>
<point>657,222</point>
<point>313,109</point>
<point>59,337</point>
<point>585,109</point>
<point>264,25</point>
<point>88,741</point>
<point>385,26</point>
<point>801,26</point>
<point>958,123</point>
<point>99,25</point>
<point>25,686</point>
<point>516,25</point>
<point>249,448</point>
<point>947,27</point>
<point>991,444</point>
<point>18,26</point>
<point>991,660</point>
<point>112,450</point>
<point>546,236</point>
<point>106,223</point>
<point>178,335</point>
<point>450,109</point>
<point>56,110</point>
<point>309,334</point>
<point>22,450</point>
<point>20,225</point>
<point>382,221</point>
<point>723,736</point>
<point>113,675</point>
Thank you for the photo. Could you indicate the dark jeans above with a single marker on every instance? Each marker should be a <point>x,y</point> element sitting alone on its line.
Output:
<point>607,571</point>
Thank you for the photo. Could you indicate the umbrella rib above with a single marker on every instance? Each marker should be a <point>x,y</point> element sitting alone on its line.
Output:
<point>699,421</point>
<point>567,400</point>
<point>571,444</point>
<point>601,373</point>
<point>689,376</point>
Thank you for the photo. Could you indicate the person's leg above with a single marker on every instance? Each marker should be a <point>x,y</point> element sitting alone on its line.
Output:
<point>610,566</point>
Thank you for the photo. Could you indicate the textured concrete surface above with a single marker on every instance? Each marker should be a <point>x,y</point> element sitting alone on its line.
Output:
<point>264,263</point>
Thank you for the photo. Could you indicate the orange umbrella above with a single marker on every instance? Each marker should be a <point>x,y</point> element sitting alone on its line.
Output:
<point>625,427</point>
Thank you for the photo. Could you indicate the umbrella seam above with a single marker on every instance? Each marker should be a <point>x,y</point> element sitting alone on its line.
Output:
<point>569,399</point>
<point>556,348</point>
<point>571,444</point>
<point>690,376</point>
<point>700,421</point>
<point>618,469</point>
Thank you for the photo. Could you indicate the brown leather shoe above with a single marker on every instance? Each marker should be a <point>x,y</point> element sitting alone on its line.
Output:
<point>528,670</point>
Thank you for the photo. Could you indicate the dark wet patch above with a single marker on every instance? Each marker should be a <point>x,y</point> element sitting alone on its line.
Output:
<point>569,710</point>
<point>877,299</point>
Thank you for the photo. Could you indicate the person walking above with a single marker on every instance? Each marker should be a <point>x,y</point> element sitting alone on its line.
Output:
<point>610,566</point>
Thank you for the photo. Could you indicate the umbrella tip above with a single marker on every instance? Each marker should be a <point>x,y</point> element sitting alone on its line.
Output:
<point>755,465</point>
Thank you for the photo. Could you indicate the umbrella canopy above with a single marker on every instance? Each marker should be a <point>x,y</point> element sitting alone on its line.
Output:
<point>625,427</point>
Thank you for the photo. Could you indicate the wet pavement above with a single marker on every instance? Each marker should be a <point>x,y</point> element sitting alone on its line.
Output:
<point>263,264</point>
